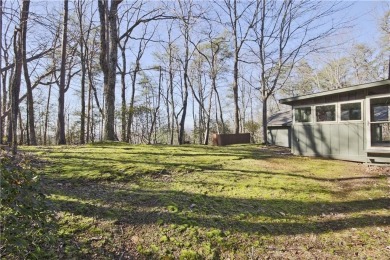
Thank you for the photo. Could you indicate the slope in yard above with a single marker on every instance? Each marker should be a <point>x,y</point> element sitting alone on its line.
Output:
<point>199,202</point>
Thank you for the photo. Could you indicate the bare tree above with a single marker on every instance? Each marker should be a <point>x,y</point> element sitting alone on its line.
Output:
<point>384,25</point>
<point>143,42</point>
<point>241,19</point>
<point>186,19</point>
<point>284,33</point>
<point>91,51</point>
<point>1,60</point>
<point>19,39</point>
<point>32,58</point>
<point>85,31</point>
<point>30,101</point>
<point>156,109</point>
<point>168,62</point>
<point>80,12</point>
<point>46,123</point>
<point>36,83</point>
<point>123,72</point>
<point>215,52</point>
<point>7,74</point>
<point>109,60</point>
<point>137,13</point>
<point>60,135</point>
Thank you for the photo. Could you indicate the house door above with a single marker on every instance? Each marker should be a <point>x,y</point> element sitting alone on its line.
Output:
<point>378,122</point>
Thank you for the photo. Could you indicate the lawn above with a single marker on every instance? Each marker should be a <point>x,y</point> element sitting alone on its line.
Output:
<point>201,202</point>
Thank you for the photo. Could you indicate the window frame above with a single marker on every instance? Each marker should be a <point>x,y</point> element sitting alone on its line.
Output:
<point>368,121</point>
<point>326,104</point>
<point>311,114</point>
<point>351,120</point>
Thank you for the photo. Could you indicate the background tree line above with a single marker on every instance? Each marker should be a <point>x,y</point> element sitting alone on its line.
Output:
<point>75,72</point>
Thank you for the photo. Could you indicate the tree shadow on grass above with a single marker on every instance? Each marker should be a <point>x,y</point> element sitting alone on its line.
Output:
<point>90,161</point>
<point>221,222</point>
<point>113,201</point>
<point>241,152</point>
<point>299,175</point>
<point>265,216</point>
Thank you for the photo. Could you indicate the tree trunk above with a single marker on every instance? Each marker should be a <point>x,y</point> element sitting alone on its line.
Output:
<point>181,137</point>
<point>113,60</point>
<point>93,125</point>
<point>131,106</point>
<point>60,135</point>
<point>9,116</point>
<point>171,96</point>
<point>108,62</point>
<point>168,114</point>
<point>27,133</point>
<point>84,57</point>
<point>46,117</point>
<point>154,118</point>
<point>83,76</point>
<point>235,70</point>
<point>30,101</point>
<point>15,87</point>
<point>92,96</point>
<point>235,96</point>
<point>220,109</point>
<point>21,128</point>
<point>101,125</point>
<point>1,79</point>
<point>207,133</point>
<point>264,113</point>
<point>104,50</point>
<point>89,112</point>
<point>123,96</point>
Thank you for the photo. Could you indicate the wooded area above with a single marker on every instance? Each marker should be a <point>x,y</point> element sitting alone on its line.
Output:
<point>146,72</point>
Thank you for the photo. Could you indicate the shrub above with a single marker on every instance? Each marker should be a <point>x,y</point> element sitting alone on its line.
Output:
<point>26,225</point>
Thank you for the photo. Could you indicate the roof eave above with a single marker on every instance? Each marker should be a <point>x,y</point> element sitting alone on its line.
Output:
<point>287,101</point>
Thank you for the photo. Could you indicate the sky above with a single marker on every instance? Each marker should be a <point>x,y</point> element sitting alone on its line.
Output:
<point>367,14</point>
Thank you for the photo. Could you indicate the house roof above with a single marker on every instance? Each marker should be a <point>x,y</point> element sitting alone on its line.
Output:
<point>280,119</point>
<point>336,91</point>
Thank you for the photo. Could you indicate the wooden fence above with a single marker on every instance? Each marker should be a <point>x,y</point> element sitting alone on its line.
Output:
<point>226,139</point>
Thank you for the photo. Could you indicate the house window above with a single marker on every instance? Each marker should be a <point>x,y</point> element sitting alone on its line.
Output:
<point>351,111</point>
<point>303,114</point>
<point>380,122</point>
<point>326,113</point>
<point>380,109</point>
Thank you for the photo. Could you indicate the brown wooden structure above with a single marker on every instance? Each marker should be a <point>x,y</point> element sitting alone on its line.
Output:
<point>226,139</point>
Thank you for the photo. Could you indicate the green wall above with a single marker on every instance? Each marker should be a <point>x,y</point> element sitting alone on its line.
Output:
<point>344,141</point>
<point>279,136</point>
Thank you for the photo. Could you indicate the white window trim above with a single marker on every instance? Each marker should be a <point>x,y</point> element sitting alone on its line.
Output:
<point>311,115</point>
<point>368,124</point>
<point>326,104</point>
<point>350,102</point>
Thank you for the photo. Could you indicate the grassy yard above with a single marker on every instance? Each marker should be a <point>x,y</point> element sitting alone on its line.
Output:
<point>201,202</point>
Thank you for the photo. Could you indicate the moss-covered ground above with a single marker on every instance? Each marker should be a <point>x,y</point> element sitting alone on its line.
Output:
<point>119,201</point>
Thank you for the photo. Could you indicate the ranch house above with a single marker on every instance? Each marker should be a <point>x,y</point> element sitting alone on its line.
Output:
<point>351,123</point>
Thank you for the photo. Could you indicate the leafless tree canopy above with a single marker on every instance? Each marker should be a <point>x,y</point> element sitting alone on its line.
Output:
<point>74,72</point>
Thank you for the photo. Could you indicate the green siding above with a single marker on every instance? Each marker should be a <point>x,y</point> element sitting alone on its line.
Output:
<point>335,140</point>
<point>334,143</point>
<point>344,139</point>
<point>279,136</point>
<point>324,133</point>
